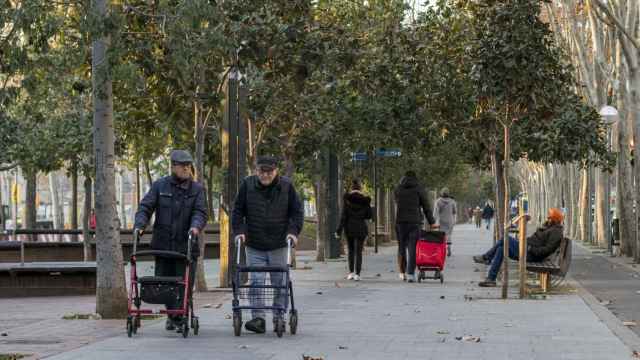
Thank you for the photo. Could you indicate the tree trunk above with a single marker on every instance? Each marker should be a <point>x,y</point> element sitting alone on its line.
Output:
<point>58,216</point>
<point>2,219</point>
<point>111,294</point>
<point>86,214</point>
<point>147,171</point>
<point>30,208</point>
<point>601,201</point>
<point>320,190</point>
<point>498,173</point>
<point>505,210</point>
<point>199,137</point>
<point>74,199</point>
<point>584,204</point>
<point>122,197</point>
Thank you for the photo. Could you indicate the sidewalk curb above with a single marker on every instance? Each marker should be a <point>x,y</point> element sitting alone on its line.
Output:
<point>616,260</point>
<point>628,337</point>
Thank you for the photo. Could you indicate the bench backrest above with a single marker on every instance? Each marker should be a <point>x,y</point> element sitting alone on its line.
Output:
<point>566,252</point>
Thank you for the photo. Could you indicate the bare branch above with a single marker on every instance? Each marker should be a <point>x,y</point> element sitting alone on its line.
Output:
<point>617,22</point>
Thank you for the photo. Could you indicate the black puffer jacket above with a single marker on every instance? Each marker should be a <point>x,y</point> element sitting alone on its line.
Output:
<point>544,242</point>
<point>357,209</point>
<point>410,198</point>
<point>267,214</point>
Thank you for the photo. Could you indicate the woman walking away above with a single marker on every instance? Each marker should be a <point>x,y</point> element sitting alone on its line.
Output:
<point>356,210</point>
<point>445,214</point>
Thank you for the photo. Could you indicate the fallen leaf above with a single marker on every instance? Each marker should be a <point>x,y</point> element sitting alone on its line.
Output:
<point>341,347</point>
<point>243,347</point>
<point>378,275</point>
<point>4,334</point>
<point>442,332</point>
<point>442,297</point>
<point>218,306</point>
<point>227,316</point>
<point>319,293</point>
<point>387,314</point>
<point>605,303</point>
<point>508,325</point>
<point>207,306</point>
<point>416,311</point>
<point>443,340</point>
<point>336,284</point>
<point>468,298</point>
<point>306,357</point>
<point>468,338</point>
<point>476,270</point>
<point>629,323</point>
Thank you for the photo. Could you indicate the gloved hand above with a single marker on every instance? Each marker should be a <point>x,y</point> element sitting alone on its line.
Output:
<point>293,238</point>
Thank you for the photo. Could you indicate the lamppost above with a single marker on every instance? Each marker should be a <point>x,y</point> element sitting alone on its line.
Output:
<point>609,116</point>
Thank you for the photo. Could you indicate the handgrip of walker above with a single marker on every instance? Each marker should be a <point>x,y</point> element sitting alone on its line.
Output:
<point>290,245</point>
<point>189,244</point>
<point>238,239</point>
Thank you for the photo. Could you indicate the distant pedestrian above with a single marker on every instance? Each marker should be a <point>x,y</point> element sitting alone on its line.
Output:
<point>445,212</point>
<point>477,216</point>
<point>487,214</point>
<point>412,202</point>
<point>355,213</point>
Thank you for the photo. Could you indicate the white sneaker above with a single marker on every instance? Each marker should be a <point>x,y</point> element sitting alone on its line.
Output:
<point>350,276</point>
<point>402,277</point>
<point>356,277</point>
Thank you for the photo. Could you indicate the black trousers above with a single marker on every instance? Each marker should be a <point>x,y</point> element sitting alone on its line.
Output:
<point>176,267</point>
<point>408,234</point>
<point>356,245</point>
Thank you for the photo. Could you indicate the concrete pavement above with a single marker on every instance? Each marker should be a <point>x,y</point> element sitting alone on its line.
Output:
<point>383,318</point>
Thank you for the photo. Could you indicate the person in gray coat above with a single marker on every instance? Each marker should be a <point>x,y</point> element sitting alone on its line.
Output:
<point>445,212</point>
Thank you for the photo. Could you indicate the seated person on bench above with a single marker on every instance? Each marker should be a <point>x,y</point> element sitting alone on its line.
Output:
<point>544,242</point>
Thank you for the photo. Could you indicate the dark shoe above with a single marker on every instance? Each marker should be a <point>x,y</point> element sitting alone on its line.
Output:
<point>487,283</point>
<point>480,259</point>
<point>256,325</point>
<point>169,325</point>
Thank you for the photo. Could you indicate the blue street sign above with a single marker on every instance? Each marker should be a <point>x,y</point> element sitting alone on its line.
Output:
<point>359,156</point>
<point>382,152</point>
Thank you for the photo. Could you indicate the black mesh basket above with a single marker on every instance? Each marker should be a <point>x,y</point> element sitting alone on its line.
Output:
<point>158,293</point>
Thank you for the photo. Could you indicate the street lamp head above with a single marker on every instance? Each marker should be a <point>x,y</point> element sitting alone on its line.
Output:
<point>609,114</point>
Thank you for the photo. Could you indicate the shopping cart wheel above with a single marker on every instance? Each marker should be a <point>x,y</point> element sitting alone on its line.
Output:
<point>441,278</point>
<point>293,321</point>
<point>280,327</point>
<point>195,325</point>
<point>185,329</point>
<point>129,326</point>
<point>237,323</point>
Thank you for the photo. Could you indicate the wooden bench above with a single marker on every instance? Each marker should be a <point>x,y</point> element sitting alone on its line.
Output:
<point>557,264</point>
<point>47,279</point>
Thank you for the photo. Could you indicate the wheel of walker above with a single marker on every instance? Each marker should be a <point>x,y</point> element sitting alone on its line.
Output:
<point>441,278</point>
<point>420,276</point>
<point>136,324</point>
<point>280,327</point>
<point>185,329</point>
<point>129,326</point>
<point>293,322</point>
<point>237,324</point>
<point>195,325</point>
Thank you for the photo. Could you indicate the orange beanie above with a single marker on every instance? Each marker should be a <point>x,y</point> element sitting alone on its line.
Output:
<point>555,215</point>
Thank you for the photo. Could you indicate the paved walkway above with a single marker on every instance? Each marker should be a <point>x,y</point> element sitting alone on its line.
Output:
<point>383,318</point>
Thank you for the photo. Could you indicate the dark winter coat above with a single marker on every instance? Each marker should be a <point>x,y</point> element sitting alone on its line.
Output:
<point>487,212</point>
<point>410,198</point>
<point>356,210</point>
<point>179,206</point>
<point>544,242</point>
<point>267,214</point>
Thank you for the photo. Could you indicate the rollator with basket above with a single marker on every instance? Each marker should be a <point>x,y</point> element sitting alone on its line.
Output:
<point>162,290</point>
<point>431,253</point>
<point>260,294</point>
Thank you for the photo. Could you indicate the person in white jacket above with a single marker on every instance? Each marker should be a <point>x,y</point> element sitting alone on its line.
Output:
<point>445,213</point>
